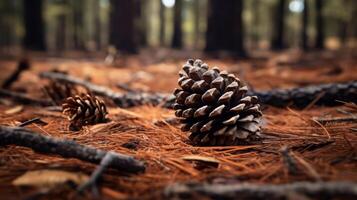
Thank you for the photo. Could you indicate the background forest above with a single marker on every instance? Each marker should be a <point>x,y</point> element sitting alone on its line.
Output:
<point>129,25</point>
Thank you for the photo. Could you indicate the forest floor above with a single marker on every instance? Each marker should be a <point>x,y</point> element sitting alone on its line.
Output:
<point>322,151</point>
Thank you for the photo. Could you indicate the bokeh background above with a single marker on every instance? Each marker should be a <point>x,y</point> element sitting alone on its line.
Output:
<point>235,27</point>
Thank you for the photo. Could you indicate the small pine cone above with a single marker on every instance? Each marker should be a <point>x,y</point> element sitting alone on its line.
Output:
<point>58,92</point>
<point>214,107</point>
<point>84,110</point>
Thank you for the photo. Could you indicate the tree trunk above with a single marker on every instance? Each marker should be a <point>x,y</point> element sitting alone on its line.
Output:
<point>142,22</point>
<point>320,35</point>
<point>278,26</point>
<point>225,27</point>
<point>196,8</point>
<point>122,33</point>
<point>34,27</point>
<point>162,24</point>
<point>353,24</point>
<point>61,33</point>
<point>97,24</point>
<point>77,24</point>
<point>342,33</point>
<point>256,24</point>
<point>177,35</point>
<point>8,15</point>
<point>305,20</point>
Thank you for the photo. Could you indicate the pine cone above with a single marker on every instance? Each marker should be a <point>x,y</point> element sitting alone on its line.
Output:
<point>58,92</point>
<point>213,106</point>
<point>84,110</point>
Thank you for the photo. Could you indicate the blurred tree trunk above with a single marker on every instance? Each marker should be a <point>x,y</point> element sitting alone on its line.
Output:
<point>278,26</point>
<point>78,24</point>
<point>122,33</point>
<point>34,27</point>
<point>196,8</point>
<point>305,21</point>
<point>61,32</point>
<point>4,32</point>
<point>141,22</point>
<point>225,27</point>
<point>354,24</point>
<point>320,35</point>
<point>97,24</point>
<point>8,16</point>
<point>256,24</point>
<point>162,24</point>
<point>177,35</point>
<point>342,33</point>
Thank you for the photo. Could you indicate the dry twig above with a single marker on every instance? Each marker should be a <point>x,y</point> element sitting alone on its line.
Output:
<point>336,119</point>
<point>22,66</point>
<point>289,161</point>
<point>96,175</point>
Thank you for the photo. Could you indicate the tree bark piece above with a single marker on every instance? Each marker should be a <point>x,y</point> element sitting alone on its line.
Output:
<point>318,190</point>
<point>327,94</point>
<point>66,148</point>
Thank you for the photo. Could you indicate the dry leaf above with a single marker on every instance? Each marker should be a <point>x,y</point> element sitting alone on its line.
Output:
<point>202,161</point>
<point>49,178</point>
<point>14,110</point>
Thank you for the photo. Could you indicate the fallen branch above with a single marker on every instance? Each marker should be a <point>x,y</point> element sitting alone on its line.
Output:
<point>318,190</point>
<point>23,99</point>
<point>303,96</point>
<point>122,100</point>
<point>299,97</point>
<point>65,148</point>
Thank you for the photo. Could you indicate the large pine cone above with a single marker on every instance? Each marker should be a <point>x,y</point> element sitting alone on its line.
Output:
<point>84,110</point>
<point>213,106</point>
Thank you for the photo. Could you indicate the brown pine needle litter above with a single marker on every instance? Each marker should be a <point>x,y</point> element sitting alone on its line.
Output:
<point>323,151</point>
